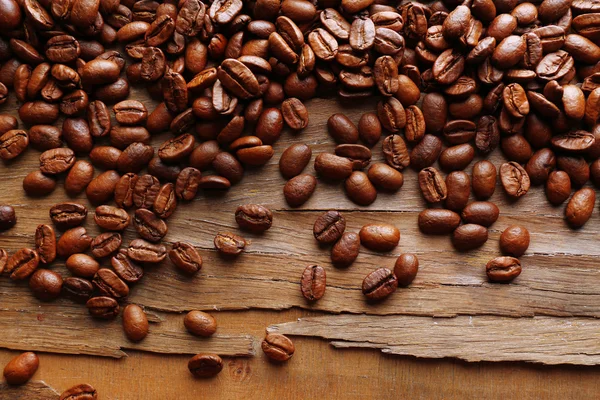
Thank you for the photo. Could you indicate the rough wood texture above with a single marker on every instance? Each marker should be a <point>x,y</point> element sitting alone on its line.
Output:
<point>545,340</point>
<point>33,390</point>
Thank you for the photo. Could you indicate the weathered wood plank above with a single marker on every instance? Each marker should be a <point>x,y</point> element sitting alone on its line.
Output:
<point>33,390</point>
<point>544,340</point>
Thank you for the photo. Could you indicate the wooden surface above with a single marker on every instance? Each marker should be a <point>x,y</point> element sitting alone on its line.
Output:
<point>556,298</point>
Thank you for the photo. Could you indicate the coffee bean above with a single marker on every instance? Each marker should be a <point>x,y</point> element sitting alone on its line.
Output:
<point>426,152</point>
<point>229,244</point>
<point>481,212</point>
<point>83,391</point>
<point>253,218</point>
<point>166,201</point>
<point>457,157</point>
<point>77,289</point>
<point>103,307</point>
<point>379,237</point>
<point>359,155</point>
<point>102,187</point>
<point>109,284</point>
<point>177,149</point>
<point>149,226</point>
<point>435,112</point>
<point>13,143</point>
<point>185,257</point>
<point>329,227</point>
<point>82,265</point>
<point>105,244</point>
<point>299,189</point>
<point>68,215</point>
<point>514,241</point>
<point>503,269</point>
<point>72,241</point>
<point>214,182</point>
<point>22,264</point>
<point>576,167</point>
<point>205,365</point>
<point>432,184</point>
<point>313,283</point>
<point>360,189</point>
<point>514,179</point>
<point>200,323</point>
<point>8,218</point>
<point>294,114</point>
<point>45,243</point>
<point>46,285</point>
<point>79,177</point>
<point>391,114</point>
<point>126,269</point>
<point>580,207</point>
<point>369,129</point>
<point>333,167</point>
<point>469,236</point>
<point>558,187</point>
<point>437,221</point>
<point>406,268</point>
<point>135,323</point>
<point>3,260</point>
<point>345,250</point>
<point>396,152</point>
<point>379,284</point>
<point>145,190</point>
<point>278,347</point>
<point>111,218</point>
<point>21,368</point>
<point>385,177</point>
<point>294,159</point>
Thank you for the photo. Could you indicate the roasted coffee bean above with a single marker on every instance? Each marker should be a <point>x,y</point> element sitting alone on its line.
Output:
<point>135,323</point>
<point>294,159</point>
<point>98,118</point>
<point>238,79</point>
<point>105,157</point>
<point>458,185</point>
<point>269,126</point>
<point>294,114</point>
<point>437,221</point>
<point>13,143</point>
<point>200,323</point>
<point>141,251</point>
<point>577,168</point>
<point>299,189</point>
<point>124,190</point>
<point>396,152</point>
<point>514,241</point>
<point>345,250</point>
<point>539,166</point>
<point>457,157</point>
<point>82,265</point>
<point>111,218</point>
<point>574,141</point>
<point>484,179</point>
<point>8,218</point>
<point>45,243</point>
<point>469,236</point>
<point>435,112</point>
<point>205,365</point>
<point>130,112</point>
<point>38,184</point>
<point>79,177</point>
<point>22,264</point>
<point>580,207</point>
<point>379,237</point>
<point>105,244</point>
<point>360,189</point>
<point>177,148</point>
<point>103,307</point>
<point>426,152</point>
<point>185,257</point>
<point>369,129</point>
<point>432,184</point>
<point>481,213</point>
<point>379,284</point>
<point>462,131</point>
<point>253,218</point>
<point>229,244</point>
<point>509,52</point>
<point>145,191</point>
<point>21,368</point>
<point>102,187</point>
<point>558,187</point>
<point>187,183</point>
<point>358,154</point>
<point>342,129</point>
<point>77,289</point>
<point>313,283</point>
<point>126,269</point>
<point>391,114</point>
<point>3,260</point>
<point>45,137</point>
<point>72,241</point>
<point>503,269</point>
<point>515,179</point>
<point>214,182</point>
<point>83,391</point>
<point>149,226</point>
<point>46,285</point>
<point>226,165</point>
<point>329,227</point>
<point>278,347</point>
<point>109,284</point>
<point>68,215</point>
<point>333,167</point>
<point>166,201</point>
<point>406,268</point>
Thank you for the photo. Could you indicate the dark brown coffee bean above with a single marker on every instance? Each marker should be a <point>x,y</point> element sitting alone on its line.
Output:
<point>228,166</point>
<point>147,253</point>
<point>126,269</point>
<point>294,114</point>
<point>45,243</point>
<point>514,241</point>
<point>385,177</point>
<point>83,391</point>
<point>558,187</point>
<point>391,114</point>
<point>145,191</point>
<point>457,157</point>
<point>329,227</point>
<point>3,260</point>
<point>82,265</point>
<point>299,189</point>
<point>379,237</point>
<point>205,365</point>
<point>45,285</point>
<point>278,347</point>
<point>487,137</point>
<point>539,166</point>
<point>481,213</point>
<point>432,184</point>
<point>102,307</point>
<point>80,175</point>
<point>333,167</point>
<point>379,284</point>
<point>313,283</point>
<point>484,179</point>
<point>21,368</point>
<point>68,215</point>
<point>190,18</point>
<point>253,218</point>
<point>269,126</point>
<point>200,323</point>
<point>109,284</point>
<point>369,129</point>
<point>426,152</point>
<point>580,207</point>
<point>229,244</point>
<point>8,219</point>
<point>8,122</point>
<point>238,79</point>
<point>22,264</point>
<point>177,148</point>
<point>458,185</point>
<point>135,323</point>
<point>73,241</point>
<point>294,159</point>
<point>185,257</point>
<point>13,143</point>
<point>462,131</point>
<point>135,157</point>
<point>187,183</point>
<point>514,178</point>
<point>102,187</point>
<point>149,226</point>
<point>396,152</point>
<point>577,168</point>
<point>38,184</point>
<point>130,112</point>
<point>77,289</point>
<point>469,236</point>
<point>574,141</point>
<point>406,268</point>
<point>345,250</point>
<point>503,269</point>
<point>166,201</point>
<point>358,154</point>
<point>436,221</point>
<point>214,182</point>
<point>105,244</point>
<point>435,112</point>
<point>359,189</point>
<point>105,157</point>
<point>342,129</point>
<point>124,190</point>
<point>555,66</point>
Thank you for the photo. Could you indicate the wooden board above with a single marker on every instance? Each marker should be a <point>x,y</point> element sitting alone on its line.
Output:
<point>33,390</point>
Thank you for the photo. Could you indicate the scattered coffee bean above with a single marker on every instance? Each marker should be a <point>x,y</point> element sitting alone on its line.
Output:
<point>135,323</point>
<point>46,285</point>
<point>406,268</point>
<point>253,218</point>
<point>205,365</point>
<point>345,251</point>
<point>278,347</point>
<point>200,323</point>
<point>329,227</point>
<point>379,284</point>
<point>21,368</point>
<point>83,391</point>
<point>313,282</point>
<point>379,237</point>
<point>229,244</point>
<point>503,269</point>
<point>8,219</point>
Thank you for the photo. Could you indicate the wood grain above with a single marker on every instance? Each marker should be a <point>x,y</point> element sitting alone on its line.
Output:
<point>33,390</point>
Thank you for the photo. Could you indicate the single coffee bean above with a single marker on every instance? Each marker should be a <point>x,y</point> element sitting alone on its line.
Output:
<point>462,131</point>
<point>135,157</point>
<point>576,167</point>
<point>342,129</point>
<point>514,241</point>
<point>185,257</point>
<point>111,218</point>
<point>313,283</point>
<point>145,191</point>
<point>379,284</point>
<point>558,187</point>
<point>229,244</point>
<point>101,188</point>
<point>574,141</point>
<point>205,365</point>
<point>8,219</point>
<point>379,237</point>
<point>98,118</point>
<point>68,215</point>
<point>126,269</point>
<point>437,221</point>
<point>391,114</point>
<point>253,218</point>
<point>457,157</point>
<point>294,159</point>
<point>360,189</point>
<point>21,368</point>
<point>149,226</point>
<point>79,177</point>
<point>82,265</point>
<point>458,185</point>
<point>105,244</point>
<point>385,177</point>
<point>580,207</point>
<point>187,183</point>
<point>469,236</point>
<point>481,213</point>
<point>294,114</point>
<point>166,201</point>
<point>484,179</point>
<point>503,269</point>
<point>345,250</point>
<point>333,167</point>
<point>83,391</point>
<point>109,284</point>
<point>278,347</point>
<point>406,268</point>
<point>38,184</point>
<point>77,289</point>
<point>200,323</point>
<point>13,143</point>
<point>426,152</point>
<point>46,285</point>
<point>56,161</point>
<point>102,307</point>
<point>359,155</point>
<point>177,149</point>
<point>135,323</point>
<point>299,189</point>
<point>432,184</point>
<point>369,129</point>
<point>396,152</point>
<point>45,243</point>
<point>22,264</point>
<point>72,241</point>
<point>329,227</point>
<point>515,179</point>
<point>3,260</point>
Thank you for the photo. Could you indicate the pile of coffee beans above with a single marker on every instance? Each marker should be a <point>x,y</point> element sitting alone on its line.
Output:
<point>454,80</point>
